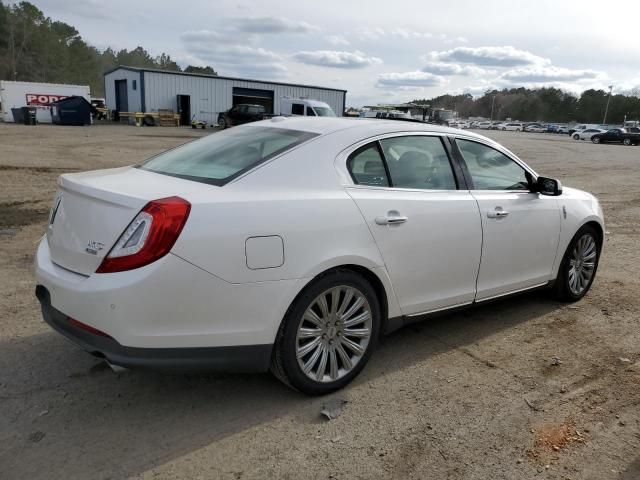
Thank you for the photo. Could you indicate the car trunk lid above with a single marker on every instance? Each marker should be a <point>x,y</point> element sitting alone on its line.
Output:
<point>92,209</point>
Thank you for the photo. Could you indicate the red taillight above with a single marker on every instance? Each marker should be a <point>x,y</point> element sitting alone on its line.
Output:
<point>149,236</point>
<point>87,328</point>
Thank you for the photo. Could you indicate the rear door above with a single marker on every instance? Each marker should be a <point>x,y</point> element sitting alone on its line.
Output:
<point>521,229</point>
<point>427,228</point>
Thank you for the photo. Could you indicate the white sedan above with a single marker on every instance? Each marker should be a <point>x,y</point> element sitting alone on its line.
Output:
<point>586,134</point>
<point>292,244</point>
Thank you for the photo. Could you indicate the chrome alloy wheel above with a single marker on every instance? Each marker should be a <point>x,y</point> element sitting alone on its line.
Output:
<point>582,264</point>
<point>333,334</point>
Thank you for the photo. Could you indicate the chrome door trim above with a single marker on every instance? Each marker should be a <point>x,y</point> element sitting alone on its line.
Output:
<point>511,292</point>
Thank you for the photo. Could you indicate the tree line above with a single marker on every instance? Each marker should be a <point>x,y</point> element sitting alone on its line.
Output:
<point>36,48</point>
<point>542,104</point>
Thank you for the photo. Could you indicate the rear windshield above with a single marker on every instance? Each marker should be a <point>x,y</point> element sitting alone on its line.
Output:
<point>324,112</point>
<point>220,157</point>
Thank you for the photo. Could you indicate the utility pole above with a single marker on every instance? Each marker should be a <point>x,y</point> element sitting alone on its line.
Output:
<point>606,110</point>
<point>493,100</point>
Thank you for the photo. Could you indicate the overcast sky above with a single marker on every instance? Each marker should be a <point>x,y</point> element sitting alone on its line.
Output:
<point>381,51</point>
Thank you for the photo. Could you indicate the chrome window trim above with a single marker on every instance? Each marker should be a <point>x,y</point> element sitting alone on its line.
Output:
<point>346,181</point>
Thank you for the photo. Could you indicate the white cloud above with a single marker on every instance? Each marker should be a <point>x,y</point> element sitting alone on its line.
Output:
<point>489,56</point>
<point>410,79</point>
<point>450,69</point>
<point>337,40</point>
<point>399,33</point>
<point>207,47</point>
<point>543,74</point>
<point>269,24</point>
<point>336,59</point>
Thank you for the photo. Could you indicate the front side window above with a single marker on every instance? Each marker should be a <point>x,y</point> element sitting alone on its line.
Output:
<point>418,162</point>
<point>310,112</point>
<point>367,167</point>
<point>217,159</point>
<point>491,169</point>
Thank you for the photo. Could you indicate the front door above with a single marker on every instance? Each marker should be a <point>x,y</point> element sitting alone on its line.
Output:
<point>122,100</point>
<point>184,109</point>
<point>427,230</point>
<point>521,229</point>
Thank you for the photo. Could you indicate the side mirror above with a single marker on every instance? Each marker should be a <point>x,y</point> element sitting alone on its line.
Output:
<point>548,186</point>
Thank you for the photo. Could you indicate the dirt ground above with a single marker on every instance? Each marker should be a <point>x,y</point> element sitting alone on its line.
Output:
<point>524,388</point>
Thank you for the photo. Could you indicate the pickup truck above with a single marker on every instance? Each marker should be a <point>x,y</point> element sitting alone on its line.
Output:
<point>241,113</point>
<point>618,135</point>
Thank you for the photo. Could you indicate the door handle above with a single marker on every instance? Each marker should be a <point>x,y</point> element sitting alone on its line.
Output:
<point>497,213</point>
<point>391,219</point>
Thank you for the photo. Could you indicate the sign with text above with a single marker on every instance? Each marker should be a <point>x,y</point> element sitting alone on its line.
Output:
<point>36,99</point>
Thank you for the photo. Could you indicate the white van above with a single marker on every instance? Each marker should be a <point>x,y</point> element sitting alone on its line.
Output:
<point>305,107</point>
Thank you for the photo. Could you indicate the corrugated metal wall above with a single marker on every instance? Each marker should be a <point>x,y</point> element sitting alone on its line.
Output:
<point>134,96</point>
<point>209,96</point>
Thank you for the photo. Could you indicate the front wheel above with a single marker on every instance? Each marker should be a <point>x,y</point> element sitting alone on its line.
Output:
<point>504,129</point>
<point>626,142</point>
<point>328,334</point>
<point>579,265</point>
<point>222,123</point>
<point>595,140</point>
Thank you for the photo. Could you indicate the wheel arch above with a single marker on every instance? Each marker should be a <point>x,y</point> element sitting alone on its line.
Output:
<point>597,226</point>
<point>379,281</point>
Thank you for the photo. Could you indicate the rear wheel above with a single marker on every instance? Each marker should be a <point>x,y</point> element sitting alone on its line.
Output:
<point>579,265</point>
<point>328,334</point>
<point>576,136</point>
<point>222,122</point>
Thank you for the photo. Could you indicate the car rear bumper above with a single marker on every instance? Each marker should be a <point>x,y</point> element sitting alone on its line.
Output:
<point>244,358</point>
<point>169,304</point>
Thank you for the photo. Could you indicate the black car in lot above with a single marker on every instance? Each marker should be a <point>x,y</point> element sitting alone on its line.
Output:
<point>618,135</point>
<point>241,113</point>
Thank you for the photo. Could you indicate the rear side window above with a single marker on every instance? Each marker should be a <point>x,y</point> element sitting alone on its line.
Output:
<point>367,168</point>
<point>418,162</point>
<point>221,157</point>
<point>297,109</point>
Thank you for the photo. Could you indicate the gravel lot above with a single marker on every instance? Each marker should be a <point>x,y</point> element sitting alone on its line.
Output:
<point>524,388</point>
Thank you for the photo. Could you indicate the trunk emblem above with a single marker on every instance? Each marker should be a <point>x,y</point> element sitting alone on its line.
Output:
<point>94,247</point>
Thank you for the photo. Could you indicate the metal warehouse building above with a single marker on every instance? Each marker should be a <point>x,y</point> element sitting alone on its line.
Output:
<point>192,95</point>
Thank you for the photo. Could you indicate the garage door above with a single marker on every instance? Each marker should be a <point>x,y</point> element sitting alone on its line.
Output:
<point>253,96</point>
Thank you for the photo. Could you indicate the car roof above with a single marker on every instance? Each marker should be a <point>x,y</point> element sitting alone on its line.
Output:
<point>359,126</point>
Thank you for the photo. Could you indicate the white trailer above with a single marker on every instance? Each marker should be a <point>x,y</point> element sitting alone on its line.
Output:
<point>40,95</point>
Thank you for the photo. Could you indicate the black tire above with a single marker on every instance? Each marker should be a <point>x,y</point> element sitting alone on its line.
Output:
<point>284,362</point>
<point>149,121</point>
<point>561,288</point>
<point>595,140</point>
<point>626,142</point>
<point>576,137</point>
<point>504,129</point>
<point>222,123</point>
